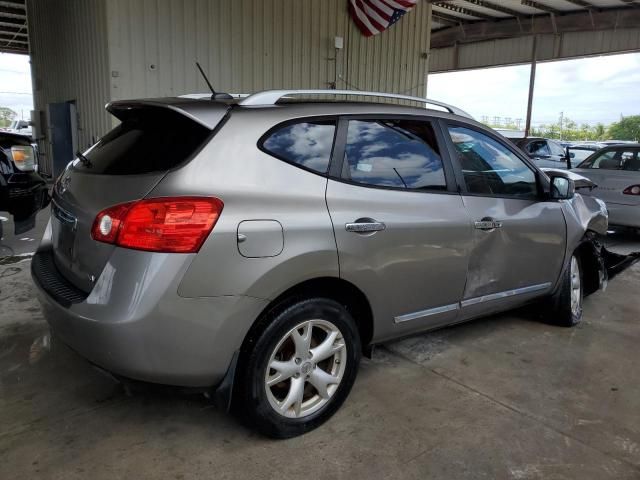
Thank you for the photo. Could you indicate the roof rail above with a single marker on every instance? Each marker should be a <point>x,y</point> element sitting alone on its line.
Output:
<point>270,97</point>
<point>207,96</point>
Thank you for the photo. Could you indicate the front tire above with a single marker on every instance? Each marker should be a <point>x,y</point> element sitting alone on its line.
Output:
<point>566,304</point>
<point>297,368</point>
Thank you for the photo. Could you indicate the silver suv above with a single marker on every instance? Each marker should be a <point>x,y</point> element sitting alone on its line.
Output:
<point>256,248</point>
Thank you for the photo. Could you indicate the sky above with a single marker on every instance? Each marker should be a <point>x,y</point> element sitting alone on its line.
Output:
<point>589,90</point>
<point>15,84</point>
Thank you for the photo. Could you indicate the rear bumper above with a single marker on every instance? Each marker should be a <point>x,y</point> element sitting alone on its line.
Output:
<point>134,324</point>
<point>624,215</point>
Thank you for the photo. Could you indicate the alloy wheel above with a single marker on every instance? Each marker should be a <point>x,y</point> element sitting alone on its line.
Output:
<point>305,368</point>
<point>576,287</point>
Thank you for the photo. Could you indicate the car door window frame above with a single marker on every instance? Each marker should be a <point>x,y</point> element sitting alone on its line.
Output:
<point>338,157</point>
<point>453,155</point>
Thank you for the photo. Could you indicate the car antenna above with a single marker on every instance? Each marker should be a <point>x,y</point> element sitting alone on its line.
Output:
<point>214,94</point>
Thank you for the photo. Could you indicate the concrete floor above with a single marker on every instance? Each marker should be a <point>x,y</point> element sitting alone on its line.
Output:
<point>503,397</point>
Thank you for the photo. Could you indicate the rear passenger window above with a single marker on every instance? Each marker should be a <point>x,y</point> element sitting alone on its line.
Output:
<point>307,144</point>
<point>394,153</point>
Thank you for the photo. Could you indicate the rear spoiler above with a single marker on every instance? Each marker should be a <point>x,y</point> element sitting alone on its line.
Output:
<point>204,112</point>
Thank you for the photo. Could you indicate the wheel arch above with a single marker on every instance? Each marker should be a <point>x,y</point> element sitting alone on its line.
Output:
<point>591,262</point>
<point>334,288</point>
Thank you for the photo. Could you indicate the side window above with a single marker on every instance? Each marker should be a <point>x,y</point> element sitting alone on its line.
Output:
<point>489,167</point>
<point>616,160</point>
<point>539,147</point>
<point>631,161</point>
<point>401,154</point>
<point>556,149</point>
<point>605,161</point>
<point>308,144</point>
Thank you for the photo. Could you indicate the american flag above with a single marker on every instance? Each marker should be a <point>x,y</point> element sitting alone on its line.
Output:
<point>374,16</point>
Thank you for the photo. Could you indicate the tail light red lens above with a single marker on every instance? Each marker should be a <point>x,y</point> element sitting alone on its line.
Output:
<point>632,190</point>
<point>170,224</point>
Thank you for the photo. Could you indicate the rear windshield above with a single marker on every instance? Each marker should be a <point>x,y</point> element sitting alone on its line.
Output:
<point>148,140</point>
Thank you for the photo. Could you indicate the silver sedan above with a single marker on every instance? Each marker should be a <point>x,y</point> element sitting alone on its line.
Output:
<point>616,171</point>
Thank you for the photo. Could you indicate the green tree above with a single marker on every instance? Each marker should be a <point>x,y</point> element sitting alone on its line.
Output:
<point>600,132</point>
<point>626,129</point>
<point>6,116</point>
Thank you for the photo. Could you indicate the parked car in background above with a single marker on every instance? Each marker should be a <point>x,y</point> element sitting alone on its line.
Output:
<point>616,172</point>
<point>20,127</point>
<point>23,192</point>
<point>579,152</point>
<point>544,152</point>
<point>260,251</point>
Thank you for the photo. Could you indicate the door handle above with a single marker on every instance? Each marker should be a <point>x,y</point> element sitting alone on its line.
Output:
<point>360,226</point>
<point>488,224</point>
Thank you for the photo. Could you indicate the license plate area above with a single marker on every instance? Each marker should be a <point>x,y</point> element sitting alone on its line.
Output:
<point>63,232</point>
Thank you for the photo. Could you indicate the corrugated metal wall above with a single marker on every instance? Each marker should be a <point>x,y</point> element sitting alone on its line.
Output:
<point>249,45</point>
<point>93,51</point>
<point>69,61</point>
<point>518,50</point>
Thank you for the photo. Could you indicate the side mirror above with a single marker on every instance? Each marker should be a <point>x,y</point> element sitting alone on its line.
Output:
<point>562,188</point>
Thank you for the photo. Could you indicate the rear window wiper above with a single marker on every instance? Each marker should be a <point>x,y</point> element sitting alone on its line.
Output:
<point>85,161</point>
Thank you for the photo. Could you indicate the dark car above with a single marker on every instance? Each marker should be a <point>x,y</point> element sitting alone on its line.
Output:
<point>23,192</point>
<point>545,152</point>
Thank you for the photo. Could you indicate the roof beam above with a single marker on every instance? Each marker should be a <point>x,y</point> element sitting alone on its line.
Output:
<point>496,7</point>
<point>7,39</point>
<point>540,6</point>
<point>7,12</point>
<point>577,21</point>
<point>14,27</point>
<point>12,32</point>
<point>463,11</point>
<point>12,21</point>
<point>16,5</point>
<point>581,3</point>
<point>16,50</point>
<point>446,19</point>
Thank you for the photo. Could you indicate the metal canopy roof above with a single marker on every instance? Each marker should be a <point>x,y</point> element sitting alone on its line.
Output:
<point>457,14</point>
<point>13,27</point>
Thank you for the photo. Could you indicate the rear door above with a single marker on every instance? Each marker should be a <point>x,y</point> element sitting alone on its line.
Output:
<point>519,239</point>
<point>402,232</point>
<point>122,167</point>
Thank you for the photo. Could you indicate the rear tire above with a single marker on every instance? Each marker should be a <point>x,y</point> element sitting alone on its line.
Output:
<point>297,368</point>
<point>566,305</point>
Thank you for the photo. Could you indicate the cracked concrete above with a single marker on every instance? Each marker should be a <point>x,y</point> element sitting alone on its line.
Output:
<point>503,397</point>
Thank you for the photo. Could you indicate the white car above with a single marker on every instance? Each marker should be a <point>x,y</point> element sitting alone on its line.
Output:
<point>616,172</point>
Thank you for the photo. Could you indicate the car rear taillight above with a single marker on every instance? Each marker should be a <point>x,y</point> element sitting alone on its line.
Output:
<point>169,224</point>
<point>632,190</point>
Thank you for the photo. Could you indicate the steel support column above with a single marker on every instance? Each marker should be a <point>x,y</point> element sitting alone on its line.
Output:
<point>532,82</point>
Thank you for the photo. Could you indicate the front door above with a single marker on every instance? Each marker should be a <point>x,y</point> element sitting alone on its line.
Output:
<point>519,240</point>
<point>402,232</point>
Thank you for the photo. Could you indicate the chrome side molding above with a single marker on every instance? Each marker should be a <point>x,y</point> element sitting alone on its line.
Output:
<point>471,301</point>
<point>508,293</point>
<point>426,313</point>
